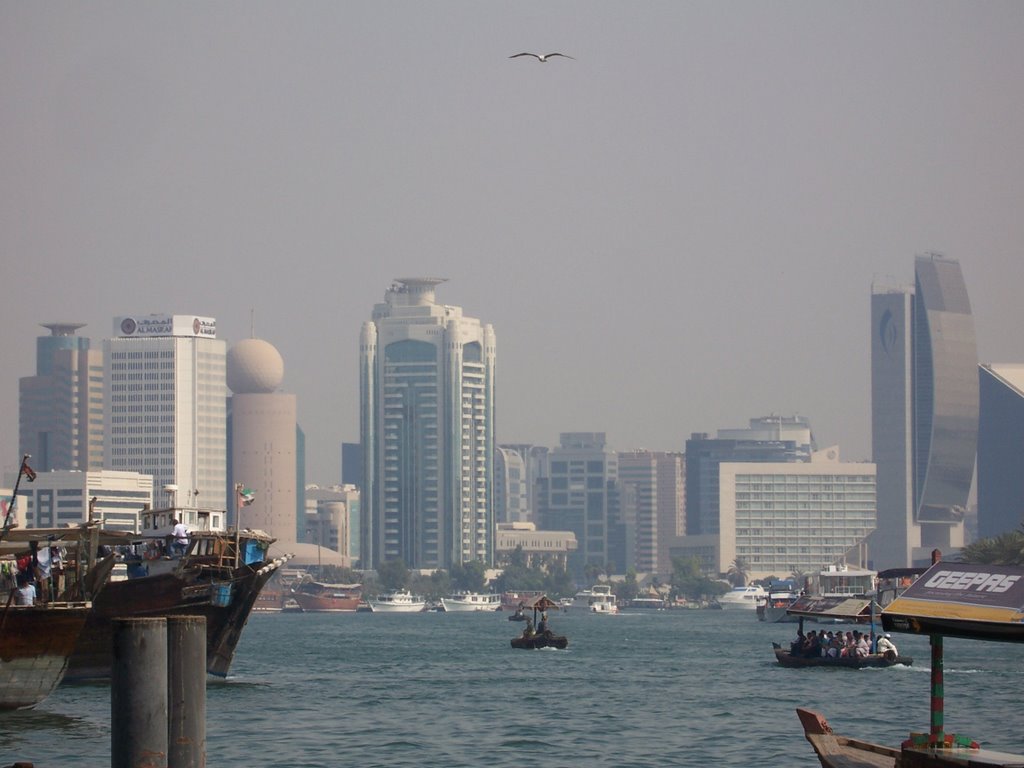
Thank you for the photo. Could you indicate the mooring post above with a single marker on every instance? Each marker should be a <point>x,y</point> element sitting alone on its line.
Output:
<point>138,694</point>
<point>186,683</point>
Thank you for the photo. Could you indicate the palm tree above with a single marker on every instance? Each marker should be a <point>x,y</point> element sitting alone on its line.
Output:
<point>738,572</point>
<point>1004,549</point>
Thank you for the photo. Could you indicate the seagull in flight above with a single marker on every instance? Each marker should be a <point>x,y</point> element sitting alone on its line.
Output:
<point>541,56</point>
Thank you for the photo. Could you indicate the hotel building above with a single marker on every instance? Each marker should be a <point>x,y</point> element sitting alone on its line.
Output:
<point>427,431</point>
<point>165,411</point>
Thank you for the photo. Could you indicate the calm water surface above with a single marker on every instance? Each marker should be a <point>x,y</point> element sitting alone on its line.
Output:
<point>677,688</point>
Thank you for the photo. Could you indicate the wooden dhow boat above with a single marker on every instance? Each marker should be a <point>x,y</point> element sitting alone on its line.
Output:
<point>318,596</point>
<point>971,601</point>
<point>37,640</point>
<point>219,578</point>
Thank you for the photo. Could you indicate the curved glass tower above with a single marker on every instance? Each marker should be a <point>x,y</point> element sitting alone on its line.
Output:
<point>924,402</point>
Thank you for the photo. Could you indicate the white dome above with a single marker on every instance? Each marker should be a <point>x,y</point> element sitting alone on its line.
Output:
<point>254,366</point>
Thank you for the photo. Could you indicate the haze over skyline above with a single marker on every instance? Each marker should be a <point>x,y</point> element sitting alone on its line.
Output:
<point>673,232</point>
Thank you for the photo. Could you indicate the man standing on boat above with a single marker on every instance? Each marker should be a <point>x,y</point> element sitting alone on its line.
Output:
<point>180,535</point>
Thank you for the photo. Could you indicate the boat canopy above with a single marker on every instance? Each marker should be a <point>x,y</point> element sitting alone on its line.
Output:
<point>980,602</point>
<point>852,609</point>
<point>542,603</point>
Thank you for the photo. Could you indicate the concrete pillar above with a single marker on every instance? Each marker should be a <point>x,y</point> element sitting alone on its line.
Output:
<point>186,683</point>
<point>138,694</point>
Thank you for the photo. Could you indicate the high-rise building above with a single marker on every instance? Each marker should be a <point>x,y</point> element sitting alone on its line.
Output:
<point>427,431</point>
<point>165,410</point>
<point>924,412</point>
<point>1000,449</point>
<point>653,506</point>
<point>511,489</point>
<point>579,492</point>
<point>61,407</point>
<point>263,439</point>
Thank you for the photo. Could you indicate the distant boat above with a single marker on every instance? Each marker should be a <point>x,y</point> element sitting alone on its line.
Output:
<point>597,599</point>
<point>747,597</point>
<point>318,596</point>
<point>397,602</point>
<point>471,601</point>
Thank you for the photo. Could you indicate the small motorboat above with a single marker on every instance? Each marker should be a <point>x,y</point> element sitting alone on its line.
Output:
<point>544,639</point>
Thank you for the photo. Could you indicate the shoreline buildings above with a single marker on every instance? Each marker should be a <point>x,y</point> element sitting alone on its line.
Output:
<point>924,413</point>
<point>768,497</point>
<point>427,431</point>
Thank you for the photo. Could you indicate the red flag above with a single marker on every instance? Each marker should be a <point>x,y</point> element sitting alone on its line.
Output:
<point>27,471</point>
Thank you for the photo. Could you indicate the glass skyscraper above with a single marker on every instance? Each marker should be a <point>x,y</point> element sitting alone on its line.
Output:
<point>427,431</point>
<point>924,406</point>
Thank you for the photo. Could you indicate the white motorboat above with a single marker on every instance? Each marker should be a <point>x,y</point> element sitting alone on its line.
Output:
<point>397,602</point>
<point>748,597</point>
<point>598,599</point>
<point>471,601</point>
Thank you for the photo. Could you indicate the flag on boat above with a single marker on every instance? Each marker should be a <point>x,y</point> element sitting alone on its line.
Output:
<point>246,496</point>
<point>27,472</point>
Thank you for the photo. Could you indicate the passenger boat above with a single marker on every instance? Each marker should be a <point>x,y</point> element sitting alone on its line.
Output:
<point>648,603</point>
<point>786,659</point>
<point>978,602</point>
<point>318,596</point>
<point>747,597</point>
<point>219,578</point>
<point>37,640</point>
<point>598,599</point>
<point>471,601</point>
<point>529,641</point>
<point>400,601</point>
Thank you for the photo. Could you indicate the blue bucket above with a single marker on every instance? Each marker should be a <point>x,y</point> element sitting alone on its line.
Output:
<point>221,595</point>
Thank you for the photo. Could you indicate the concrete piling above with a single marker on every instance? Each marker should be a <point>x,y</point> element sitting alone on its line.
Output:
<point>186,682</point>
<point>138,694</point>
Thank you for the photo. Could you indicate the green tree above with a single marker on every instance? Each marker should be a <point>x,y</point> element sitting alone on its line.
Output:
<point>738,572</point>
<point>627,589</point>
<point>393,575</point>
<point>470,576</point>
<point>688,581</point>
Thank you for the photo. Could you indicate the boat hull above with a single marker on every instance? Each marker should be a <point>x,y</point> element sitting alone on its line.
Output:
<point>542,640</point>
<point>327,598</point>
<point>848,662</point>
<point>188,591</point>
<point>35,645</point>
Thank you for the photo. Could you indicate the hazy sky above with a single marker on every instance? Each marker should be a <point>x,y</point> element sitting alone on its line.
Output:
<point>672,233</point>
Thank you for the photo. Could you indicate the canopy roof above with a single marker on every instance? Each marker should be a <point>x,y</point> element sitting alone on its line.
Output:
<point>541,603</point>
<point>852,609</point>
<point>984,602</point>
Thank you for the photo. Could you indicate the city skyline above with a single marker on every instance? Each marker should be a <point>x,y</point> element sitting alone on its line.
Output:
<point>665,243</point>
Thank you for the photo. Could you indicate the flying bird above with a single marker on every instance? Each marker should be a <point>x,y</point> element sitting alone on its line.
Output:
<point>541,56</point>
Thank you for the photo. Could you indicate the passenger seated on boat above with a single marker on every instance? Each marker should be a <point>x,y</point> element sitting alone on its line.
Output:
<point>542,625</point>
<point>812,645</point>
<point>885,645</point>
<point>860,644</point>
<point>528,629</point>
<point>796,648</point>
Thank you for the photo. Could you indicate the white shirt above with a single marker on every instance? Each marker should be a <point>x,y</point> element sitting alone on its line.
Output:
<point>180,533</point>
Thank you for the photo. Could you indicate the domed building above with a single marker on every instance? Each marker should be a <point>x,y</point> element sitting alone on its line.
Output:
<point>263,444</point>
